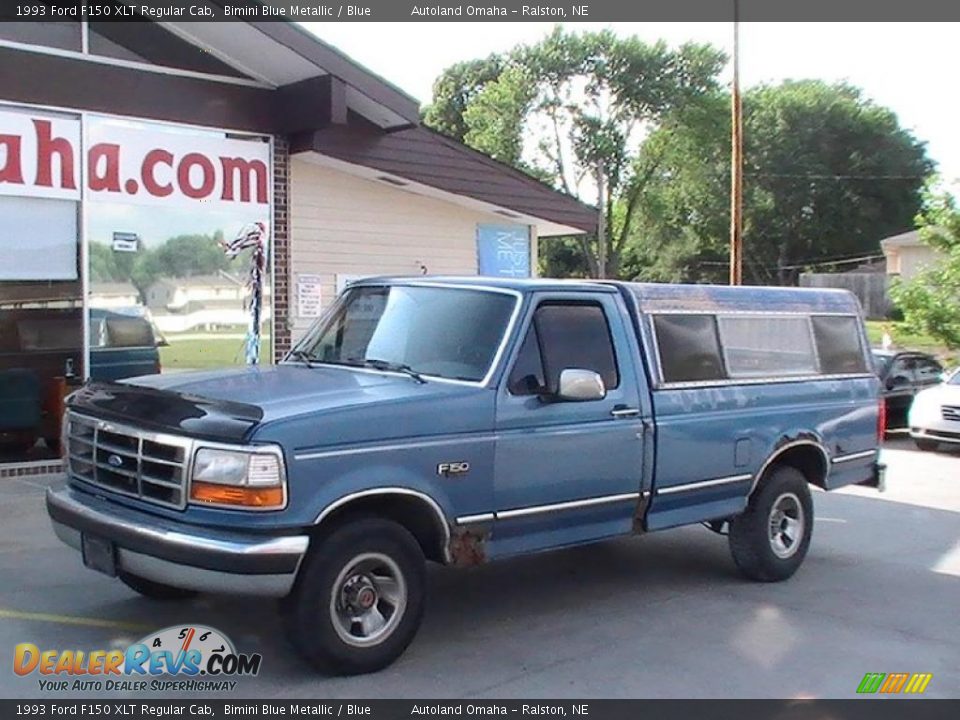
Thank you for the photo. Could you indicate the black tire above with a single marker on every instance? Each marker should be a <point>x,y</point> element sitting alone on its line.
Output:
<point>334,587</point>
<point>155,590</point>
<point>760,552</point>
<point>926,445</point>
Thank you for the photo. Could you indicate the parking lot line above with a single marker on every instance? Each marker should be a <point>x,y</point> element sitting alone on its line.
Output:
<point>72,620</point>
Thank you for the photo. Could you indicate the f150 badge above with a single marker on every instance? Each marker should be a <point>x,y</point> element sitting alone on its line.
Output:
<point>453,468</point>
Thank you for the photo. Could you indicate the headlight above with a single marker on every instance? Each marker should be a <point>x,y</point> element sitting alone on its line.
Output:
<point>237,478</point>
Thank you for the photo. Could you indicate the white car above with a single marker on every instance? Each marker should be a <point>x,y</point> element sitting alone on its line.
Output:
<point>935,414</point>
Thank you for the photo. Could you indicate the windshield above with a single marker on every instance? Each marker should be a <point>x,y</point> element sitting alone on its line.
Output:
<point>445,332</point>
<point>954,379</point>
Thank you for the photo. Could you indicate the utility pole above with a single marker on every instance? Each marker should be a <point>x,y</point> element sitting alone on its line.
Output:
<point>736,157</point>
<point>601,226</point>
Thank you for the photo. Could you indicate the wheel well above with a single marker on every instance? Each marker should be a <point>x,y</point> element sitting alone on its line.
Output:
<point>407,510</point>
<point>809,459</point>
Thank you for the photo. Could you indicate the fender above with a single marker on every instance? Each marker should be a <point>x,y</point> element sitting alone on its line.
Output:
<point>784,447</point>
<point>439,516</point>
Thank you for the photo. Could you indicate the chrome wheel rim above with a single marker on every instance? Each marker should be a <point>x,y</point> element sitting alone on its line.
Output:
<point>368,600</point>
<point>786,526</point>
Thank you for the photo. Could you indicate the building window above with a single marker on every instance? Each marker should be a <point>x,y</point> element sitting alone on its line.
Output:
<point>39,240</point>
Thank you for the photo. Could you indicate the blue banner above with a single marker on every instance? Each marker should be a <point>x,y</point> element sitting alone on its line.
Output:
<point>503,250</point>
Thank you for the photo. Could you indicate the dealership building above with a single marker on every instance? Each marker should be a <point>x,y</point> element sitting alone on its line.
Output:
<point>128,151</point>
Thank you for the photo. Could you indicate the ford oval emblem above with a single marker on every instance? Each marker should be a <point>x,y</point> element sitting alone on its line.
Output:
<point>115,461</point>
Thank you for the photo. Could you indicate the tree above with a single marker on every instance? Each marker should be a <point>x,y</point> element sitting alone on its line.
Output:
<point>573,109</point>
<point>930,301</point>
<point>828,173</point>
<point>186,255</point>
<point>180,256</point>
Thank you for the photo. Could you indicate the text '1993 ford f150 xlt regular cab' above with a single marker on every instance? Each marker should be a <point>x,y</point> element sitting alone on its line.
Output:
<point>462,420</point>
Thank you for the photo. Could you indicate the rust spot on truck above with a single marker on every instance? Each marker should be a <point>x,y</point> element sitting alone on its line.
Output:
<point>640,514</point>
<point>468,545</point>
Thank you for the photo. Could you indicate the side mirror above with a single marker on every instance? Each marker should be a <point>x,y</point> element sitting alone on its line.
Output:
<point>578,385</point>
<point>897,381</point>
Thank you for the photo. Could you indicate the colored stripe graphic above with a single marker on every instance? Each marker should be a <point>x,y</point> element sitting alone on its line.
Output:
<point>871,682</point>
<point>894,683</point>
<point>918,683</point>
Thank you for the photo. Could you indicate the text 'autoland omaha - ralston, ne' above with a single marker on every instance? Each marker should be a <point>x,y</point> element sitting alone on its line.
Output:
<point>498,11</point>
<point>493,709</point>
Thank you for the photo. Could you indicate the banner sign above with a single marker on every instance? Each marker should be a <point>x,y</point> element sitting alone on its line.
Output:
<point>129,162</point>
<point>503,250</point>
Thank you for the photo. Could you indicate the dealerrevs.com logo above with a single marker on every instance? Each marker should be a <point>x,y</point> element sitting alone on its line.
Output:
<point>179,658</point>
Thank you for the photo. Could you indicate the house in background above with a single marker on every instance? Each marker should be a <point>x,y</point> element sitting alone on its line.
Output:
<point>906,254</point>
<point>108,295</point>
<point>202,302</point>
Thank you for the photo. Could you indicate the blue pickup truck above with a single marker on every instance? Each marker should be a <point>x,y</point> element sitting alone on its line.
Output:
<point>463,420</point>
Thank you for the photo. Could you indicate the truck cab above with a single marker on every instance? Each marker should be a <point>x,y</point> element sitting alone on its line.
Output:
<point>463,420</point>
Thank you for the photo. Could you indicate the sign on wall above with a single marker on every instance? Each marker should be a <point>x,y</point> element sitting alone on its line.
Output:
<point>129,162</point>
<point>503,250</point>
<point>309,296</point>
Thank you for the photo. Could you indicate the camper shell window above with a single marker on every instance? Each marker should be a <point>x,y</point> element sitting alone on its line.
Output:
<point>737,347</point>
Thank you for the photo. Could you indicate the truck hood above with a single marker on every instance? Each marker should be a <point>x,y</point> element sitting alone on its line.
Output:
<point>228,404</point>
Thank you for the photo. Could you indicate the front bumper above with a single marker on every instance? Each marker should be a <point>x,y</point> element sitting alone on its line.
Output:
<point>175,554</point>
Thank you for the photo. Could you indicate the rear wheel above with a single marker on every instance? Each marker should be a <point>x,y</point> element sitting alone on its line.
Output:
<point>359,599</point>
<point>770,539</point>
<point>155,590</point>
<point>926,445</point>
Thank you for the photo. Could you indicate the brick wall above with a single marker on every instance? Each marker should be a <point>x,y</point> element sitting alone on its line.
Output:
<point>281,247</point>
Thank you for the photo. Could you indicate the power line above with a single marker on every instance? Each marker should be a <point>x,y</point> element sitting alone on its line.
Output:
<point>817,176</point>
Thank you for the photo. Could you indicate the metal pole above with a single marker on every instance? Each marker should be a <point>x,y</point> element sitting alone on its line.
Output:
<point>601,227</point>
<point>736,165</point>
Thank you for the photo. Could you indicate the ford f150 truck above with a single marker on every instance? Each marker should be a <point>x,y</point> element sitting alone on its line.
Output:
<point>463,420</point>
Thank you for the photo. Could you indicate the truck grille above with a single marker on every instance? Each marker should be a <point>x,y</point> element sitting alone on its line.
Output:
<point>128,461</point>
<point>950,412</point>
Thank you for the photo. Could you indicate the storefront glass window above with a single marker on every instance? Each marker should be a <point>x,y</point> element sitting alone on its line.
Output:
<point>164,201</point>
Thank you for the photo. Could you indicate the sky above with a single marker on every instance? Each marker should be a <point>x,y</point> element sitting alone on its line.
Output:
<point>907,67</point>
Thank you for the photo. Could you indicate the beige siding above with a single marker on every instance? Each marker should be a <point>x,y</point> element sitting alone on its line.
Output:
<point>913,259</point>
<point>345,224</point>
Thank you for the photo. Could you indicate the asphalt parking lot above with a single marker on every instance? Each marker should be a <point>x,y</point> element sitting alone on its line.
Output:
<point>663,615</point>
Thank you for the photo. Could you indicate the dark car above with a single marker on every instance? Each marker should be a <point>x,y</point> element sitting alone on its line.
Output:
<point>904,373</point>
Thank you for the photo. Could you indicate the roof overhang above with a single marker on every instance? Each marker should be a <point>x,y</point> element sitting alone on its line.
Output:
<point>545,227</point>
<point>427,163</point>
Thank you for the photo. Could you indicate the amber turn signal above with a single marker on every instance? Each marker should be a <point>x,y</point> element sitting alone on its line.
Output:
<point>258,497</point>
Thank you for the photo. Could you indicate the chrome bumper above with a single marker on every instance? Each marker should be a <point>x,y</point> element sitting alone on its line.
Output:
<point>175,554</point>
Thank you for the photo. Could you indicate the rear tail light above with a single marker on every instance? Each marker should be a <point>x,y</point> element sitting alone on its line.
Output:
<point>882,420</point>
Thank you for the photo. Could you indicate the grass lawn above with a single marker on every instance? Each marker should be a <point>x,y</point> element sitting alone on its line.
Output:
<point>208,352</point>
<point>905,340</point>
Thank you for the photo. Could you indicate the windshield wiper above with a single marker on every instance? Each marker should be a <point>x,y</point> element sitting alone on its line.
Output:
<point>388,366</point>
<point>303,356</point>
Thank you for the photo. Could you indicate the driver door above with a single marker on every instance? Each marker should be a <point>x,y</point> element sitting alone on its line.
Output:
<point>567,471</point>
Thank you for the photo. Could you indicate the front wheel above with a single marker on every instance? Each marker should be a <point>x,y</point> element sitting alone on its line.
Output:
<point>926,445</point>
<point>359,599</point>
<point>770,539</point>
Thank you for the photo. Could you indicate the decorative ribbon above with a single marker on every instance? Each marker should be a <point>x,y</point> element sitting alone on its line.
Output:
<point>253,235</point>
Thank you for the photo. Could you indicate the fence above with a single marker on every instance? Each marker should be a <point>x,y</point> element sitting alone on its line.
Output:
<point>872,289</point>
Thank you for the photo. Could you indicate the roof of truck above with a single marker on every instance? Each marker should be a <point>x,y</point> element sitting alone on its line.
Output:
<point>516,284</point>
<point>663,297</point>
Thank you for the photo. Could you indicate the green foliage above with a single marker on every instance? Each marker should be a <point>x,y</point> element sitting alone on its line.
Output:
<point>454,90</point>
<point>930,301</point>
<point>180,256</point>
<point>572,108</point>
<point>827,174</point>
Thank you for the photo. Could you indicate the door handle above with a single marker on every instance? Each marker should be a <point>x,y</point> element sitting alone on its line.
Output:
<point>623,411</point>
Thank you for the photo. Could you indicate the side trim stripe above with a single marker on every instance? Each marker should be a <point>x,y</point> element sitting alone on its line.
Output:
<point>394,447</point>
<point>704,484</point>
<point>541,509</point>
<point>853,456</point>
